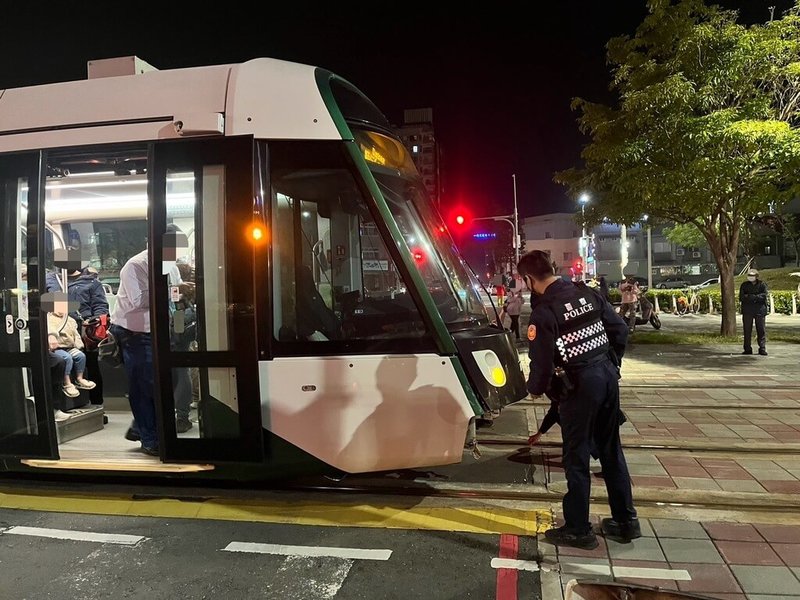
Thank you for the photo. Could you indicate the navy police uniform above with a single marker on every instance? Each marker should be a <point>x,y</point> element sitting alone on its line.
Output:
<point>574,332</point>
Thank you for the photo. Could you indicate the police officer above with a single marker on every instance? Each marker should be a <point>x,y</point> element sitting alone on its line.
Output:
<point>576,344</point>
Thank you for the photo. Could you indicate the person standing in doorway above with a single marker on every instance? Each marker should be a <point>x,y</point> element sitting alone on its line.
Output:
<point>753,300</point>
<point>130,324</point>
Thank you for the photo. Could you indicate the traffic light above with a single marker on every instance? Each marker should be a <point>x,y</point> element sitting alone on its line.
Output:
<point>459,219</point>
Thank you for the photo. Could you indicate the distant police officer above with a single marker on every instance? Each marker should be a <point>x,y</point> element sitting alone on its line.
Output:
<point>576,344</point>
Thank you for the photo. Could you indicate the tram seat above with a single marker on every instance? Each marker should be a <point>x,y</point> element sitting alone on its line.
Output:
<point>312,312</point>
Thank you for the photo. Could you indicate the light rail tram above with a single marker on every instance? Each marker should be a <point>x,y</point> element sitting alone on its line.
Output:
<point>299,278</point>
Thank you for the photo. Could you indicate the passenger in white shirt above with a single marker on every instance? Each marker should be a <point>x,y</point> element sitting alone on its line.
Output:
<point>130,324</point>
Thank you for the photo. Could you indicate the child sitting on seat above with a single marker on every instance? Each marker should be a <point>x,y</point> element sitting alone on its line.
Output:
<point>65,341</point>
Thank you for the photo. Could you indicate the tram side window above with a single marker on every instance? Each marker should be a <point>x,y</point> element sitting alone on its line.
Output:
<point>334,278</point>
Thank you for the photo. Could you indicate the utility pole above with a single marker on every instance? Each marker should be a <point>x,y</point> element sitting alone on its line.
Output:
<point>516,225</point>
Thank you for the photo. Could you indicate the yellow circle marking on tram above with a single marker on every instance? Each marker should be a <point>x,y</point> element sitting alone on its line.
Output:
<point>499,376</point>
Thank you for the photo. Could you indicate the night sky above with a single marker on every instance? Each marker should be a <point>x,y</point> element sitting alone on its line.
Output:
<point>499,79</point>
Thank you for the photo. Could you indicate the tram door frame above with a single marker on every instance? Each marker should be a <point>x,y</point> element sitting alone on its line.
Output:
<point>42,441</point>
<point>236,156</point>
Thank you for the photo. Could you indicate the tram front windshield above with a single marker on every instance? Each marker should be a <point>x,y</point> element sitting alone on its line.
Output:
<point>450,281</point>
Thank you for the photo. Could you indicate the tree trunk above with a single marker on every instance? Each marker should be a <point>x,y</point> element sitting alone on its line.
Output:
<point>724,243</point>
<point>728,287</point>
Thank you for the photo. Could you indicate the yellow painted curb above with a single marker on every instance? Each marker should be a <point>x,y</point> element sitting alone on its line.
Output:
<point>471,520</point>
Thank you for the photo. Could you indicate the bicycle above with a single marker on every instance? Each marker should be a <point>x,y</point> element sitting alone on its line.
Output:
<point>688,305</point>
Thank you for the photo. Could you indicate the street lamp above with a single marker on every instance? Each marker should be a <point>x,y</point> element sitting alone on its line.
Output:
<point>516,224</point>
<point>583,200</point>
<point>649,254</point>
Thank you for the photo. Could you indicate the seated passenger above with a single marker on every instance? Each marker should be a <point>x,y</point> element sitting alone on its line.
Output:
<point>65,341</point>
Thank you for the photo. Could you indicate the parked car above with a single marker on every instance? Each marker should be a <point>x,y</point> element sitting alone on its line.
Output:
<point>705,284</point>
<point>672,283</point>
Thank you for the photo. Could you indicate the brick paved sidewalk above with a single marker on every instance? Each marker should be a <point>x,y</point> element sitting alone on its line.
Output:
<point>668,471</point>
<point>717,559</point>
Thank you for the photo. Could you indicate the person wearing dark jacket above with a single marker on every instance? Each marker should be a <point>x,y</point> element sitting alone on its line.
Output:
<point>753,300</point>
<point>604,288</point>
<point>577,342</point>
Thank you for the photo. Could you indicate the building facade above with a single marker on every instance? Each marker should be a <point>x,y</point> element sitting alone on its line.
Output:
<point>418,136</point>
<point>558,234</point>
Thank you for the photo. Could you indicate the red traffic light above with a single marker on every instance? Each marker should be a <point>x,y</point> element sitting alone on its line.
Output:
<point>459,218</point>
<point>418,255</point>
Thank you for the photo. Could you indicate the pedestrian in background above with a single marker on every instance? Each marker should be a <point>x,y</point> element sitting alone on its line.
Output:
<point>513,308</point>
<point>630,297</point>
<point>604,288</point>
<point>753,300</point>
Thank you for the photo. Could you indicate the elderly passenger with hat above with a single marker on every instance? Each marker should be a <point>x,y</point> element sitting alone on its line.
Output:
<point>753,300</point>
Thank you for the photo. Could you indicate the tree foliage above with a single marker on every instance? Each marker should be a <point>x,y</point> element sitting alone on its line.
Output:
<point>704,132</point>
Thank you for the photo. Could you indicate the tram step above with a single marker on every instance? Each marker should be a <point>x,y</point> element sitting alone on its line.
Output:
<point>82,421</point>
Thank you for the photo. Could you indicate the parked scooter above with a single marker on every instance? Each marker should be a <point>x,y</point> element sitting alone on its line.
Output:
<point>645,313</point>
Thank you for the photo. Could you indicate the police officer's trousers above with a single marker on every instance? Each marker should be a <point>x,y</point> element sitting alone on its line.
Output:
<point>592,410</point>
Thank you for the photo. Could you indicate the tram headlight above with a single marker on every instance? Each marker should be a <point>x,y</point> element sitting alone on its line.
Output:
<point>490,367</point>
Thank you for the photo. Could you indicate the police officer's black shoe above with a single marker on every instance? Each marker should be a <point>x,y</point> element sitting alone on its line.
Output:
<point>763,352</point>
<point>132,435</point>
<point>561,536</point>
<point>624,532</point>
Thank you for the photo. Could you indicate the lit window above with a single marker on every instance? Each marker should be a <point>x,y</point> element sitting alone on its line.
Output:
<point>415,148</point>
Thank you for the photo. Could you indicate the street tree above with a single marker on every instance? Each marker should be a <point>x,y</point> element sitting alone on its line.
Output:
<point>703,131</point>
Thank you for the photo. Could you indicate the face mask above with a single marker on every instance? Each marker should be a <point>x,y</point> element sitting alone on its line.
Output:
<point>751,278</point>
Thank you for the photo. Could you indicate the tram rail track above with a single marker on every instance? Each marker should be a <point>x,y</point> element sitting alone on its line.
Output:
<point>694,500</point>
<point>777,448</point>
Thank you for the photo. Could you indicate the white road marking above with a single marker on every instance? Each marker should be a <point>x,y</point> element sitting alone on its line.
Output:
<point>644,573</point>
<point>584,569</point>
<point>284,550</point>
<point>308,577</point>
<point>79,536</point>
<point>519,565</point>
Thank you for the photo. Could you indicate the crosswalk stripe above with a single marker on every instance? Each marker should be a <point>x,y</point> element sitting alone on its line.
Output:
<point>80,536</point>
<point>519,565</point>
<point>646,573</point>
<point>286,550</point>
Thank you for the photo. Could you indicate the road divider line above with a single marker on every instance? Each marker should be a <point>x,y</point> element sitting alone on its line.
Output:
<point>79,536</point>
<point>327,551</point>
<point>507,578</point>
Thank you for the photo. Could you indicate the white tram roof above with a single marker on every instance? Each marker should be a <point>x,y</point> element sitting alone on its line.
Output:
<point>263,97</point>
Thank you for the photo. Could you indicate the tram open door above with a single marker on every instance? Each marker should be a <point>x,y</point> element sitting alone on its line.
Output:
<point>204,237</point>
<point>27,426</point>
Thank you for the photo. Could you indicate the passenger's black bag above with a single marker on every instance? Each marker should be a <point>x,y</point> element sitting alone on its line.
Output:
<point>109,351</point>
